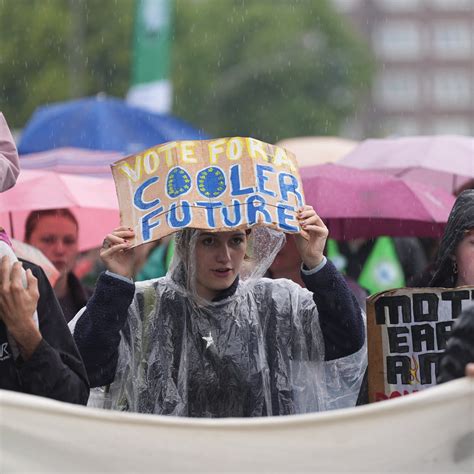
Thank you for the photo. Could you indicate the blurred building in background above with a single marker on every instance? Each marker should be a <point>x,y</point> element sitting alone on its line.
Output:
<point>425,66</point>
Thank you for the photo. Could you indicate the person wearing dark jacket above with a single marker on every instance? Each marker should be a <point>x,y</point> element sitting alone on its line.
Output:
<point>37,353</point>
<point>46,361</point>
<point>214,339</point>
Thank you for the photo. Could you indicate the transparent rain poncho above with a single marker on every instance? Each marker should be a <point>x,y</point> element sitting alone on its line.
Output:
<point>256,351</point>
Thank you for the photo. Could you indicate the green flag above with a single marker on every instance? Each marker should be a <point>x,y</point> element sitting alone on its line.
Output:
<point>382,270</point>
<point>151,85</point>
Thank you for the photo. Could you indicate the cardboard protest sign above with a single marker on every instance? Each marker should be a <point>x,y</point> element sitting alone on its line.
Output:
<point>407,333</point>
<point>208,184</point>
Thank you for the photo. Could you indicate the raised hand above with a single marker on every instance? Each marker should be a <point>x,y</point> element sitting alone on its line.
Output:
<point>312,238</point>
<point>116,253</point>
<point>18,303</point>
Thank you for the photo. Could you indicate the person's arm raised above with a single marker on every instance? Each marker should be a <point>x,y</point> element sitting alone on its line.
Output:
<point>116,253</point>
<point>339,313</point>
<point>311,241</point>
<point>97,331</point>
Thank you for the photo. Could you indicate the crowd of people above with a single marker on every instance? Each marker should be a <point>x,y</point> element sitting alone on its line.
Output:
<point>244,323</point>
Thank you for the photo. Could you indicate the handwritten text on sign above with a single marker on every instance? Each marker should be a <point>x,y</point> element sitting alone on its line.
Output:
<point>211,184</point>
<point>408,330</point>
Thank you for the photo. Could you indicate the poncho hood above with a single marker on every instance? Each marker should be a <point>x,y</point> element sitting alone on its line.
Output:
<point>263,244</point>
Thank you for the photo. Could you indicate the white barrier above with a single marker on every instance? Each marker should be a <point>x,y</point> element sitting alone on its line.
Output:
<point>430,431</point>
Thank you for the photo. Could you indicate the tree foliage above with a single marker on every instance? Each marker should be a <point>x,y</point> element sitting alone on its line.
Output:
<point>265,68</point>
<point>45,57</point>
<point>270,69</point>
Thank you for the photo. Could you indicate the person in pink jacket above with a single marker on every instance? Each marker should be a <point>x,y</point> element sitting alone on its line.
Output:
<point>9,162</point>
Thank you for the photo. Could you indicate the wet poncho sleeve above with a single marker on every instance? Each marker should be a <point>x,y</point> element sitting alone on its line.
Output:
<point>340,316</point>
<point>343,329</point>
<point>97,331</point>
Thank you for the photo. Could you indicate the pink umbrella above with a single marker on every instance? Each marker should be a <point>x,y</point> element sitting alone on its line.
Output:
<point>92,200</point>
<point>72,160</point>
<point>445,161</point>
<point>358,203</point>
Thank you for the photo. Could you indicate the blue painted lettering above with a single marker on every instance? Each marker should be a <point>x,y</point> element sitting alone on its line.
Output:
<point>289,184</point>
<point>146,226</point>
<point>236,182</point>
<point>172,216</point>
<point>178,182</point>
<point>237,214</point>
<point>138,197</point>
<point>211,182</point>
<point>256,207</point>
<point>262,179</point>
<point>283,217</point>
<point>209,206</point>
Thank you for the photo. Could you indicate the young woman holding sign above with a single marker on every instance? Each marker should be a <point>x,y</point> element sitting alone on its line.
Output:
<point>215,339</point>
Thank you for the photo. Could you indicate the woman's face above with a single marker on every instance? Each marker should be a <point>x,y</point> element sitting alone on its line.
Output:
<point>219,257</point>
<point>465,259</point>
<point>56,237</point>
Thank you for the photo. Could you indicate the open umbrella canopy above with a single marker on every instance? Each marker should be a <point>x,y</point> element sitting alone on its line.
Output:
<point>92,200</point>
<point>72,161</point>
<point>445,161</point>
<point>311,151</point>
<point>358,203</point>
<point>101,123</point>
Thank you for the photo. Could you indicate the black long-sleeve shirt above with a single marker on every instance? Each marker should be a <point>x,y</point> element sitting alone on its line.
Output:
<point>55,369</point>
